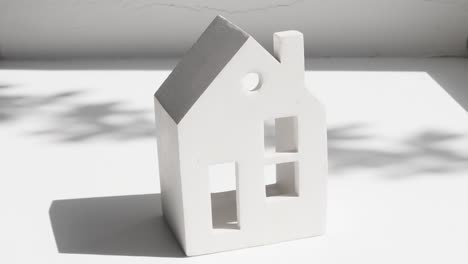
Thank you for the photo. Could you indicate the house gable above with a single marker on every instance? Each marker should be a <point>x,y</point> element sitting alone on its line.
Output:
<point>200,66</point>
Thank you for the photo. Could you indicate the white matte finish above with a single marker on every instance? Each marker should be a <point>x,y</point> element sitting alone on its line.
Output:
<point>226,124</point>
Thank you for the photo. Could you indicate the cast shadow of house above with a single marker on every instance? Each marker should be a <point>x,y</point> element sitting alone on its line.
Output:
<point>130,225</point>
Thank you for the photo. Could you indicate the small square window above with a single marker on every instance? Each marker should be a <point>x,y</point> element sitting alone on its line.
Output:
<point>280,134</point>
<point>281,179</point>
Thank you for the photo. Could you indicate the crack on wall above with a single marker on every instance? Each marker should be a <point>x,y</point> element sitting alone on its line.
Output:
<point>200,8</point>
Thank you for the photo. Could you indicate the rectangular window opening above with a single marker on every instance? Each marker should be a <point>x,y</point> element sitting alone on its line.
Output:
<point>280,135</point>
<point>281,179</point>
<point>223,188</point>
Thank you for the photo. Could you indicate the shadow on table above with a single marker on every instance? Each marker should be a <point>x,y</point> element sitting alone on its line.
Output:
<point>121,225</point>
<point>78,120</point>
<point>450,73</point>
<point>81,120</point>
<point>427,151</point>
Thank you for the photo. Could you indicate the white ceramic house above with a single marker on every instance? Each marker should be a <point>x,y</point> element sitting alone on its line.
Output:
<point>213,116</point>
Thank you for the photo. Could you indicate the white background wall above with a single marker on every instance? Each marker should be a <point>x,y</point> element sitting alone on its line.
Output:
<point>126,28</point>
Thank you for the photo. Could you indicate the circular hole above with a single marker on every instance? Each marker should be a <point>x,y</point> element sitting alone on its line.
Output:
<point>251,82</point>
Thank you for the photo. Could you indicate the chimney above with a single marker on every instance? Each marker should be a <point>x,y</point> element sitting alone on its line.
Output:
<point>289,50</point>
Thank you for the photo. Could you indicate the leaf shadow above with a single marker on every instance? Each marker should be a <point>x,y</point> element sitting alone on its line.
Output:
<point>427,151</point>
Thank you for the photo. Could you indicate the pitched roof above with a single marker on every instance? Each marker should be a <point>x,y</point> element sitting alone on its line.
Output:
<point>200,66</point>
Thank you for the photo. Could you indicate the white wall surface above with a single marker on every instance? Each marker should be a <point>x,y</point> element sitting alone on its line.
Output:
<point>151,28</point>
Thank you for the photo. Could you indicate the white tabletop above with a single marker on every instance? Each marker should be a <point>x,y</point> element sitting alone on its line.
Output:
<point>78,138</point>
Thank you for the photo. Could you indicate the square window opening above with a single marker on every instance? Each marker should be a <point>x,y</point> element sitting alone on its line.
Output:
<point>281,179</point>
<point>280,134</point>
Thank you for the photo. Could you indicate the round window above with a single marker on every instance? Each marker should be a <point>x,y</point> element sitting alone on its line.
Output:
<point>251,82</point>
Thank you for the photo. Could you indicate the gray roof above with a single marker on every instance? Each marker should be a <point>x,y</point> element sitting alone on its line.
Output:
<point>200,66</point>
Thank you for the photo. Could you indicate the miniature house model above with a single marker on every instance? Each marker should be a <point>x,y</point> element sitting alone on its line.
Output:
<point>231,112</point>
